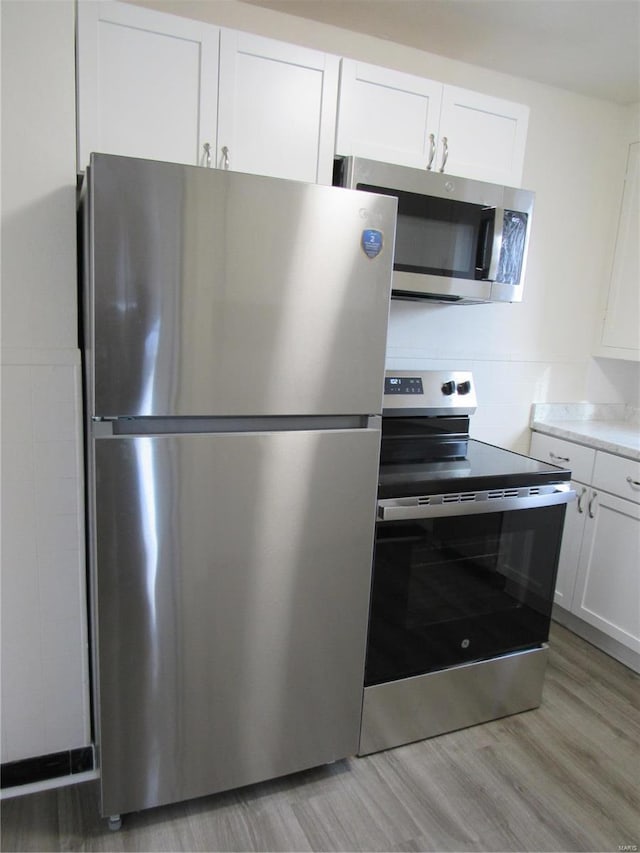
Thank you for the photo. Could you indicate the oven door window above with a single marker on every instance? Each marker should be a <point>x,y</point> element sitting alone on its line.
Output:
<point>451,590</point>
<point>441,236</point>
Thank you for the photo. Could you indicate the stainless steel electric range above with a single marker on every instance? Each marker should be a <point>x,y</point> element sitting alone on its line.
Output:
<point>467,544</point>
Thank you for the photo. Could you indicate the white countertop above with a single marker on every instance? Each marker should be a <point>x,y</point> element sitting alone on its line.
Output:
<point>613,428</point>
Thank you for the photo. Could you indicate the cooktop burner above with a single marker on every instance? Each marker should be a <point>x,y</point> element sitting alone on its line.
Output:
<point>426,449</point>
<point>484,467</point>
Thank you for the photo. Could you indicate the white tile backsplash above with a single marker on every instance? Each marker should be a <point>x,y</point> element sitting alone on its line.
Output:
<point>58,532</point>
<point>52,385</point>
<point>55,460</point>
<point>24,711</point>
<point>17,416</point>
<point>60,585</point>
<point>57,497</point>
<point>65,677</point>
<point>44,648</point>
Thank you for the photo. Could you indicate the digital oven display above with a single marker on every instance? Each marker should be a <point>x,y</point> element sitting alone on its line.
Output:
<point>403,385</point>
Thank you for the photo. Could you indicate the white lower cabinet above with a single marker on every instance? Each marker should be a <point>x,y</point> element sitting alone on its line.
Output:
<point>574,522</point>
<point>607,590</point>
<point>599,566</point>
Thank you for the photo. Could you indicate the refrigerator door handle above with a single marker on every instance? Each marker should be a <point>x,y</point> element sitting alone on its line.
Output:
<point>108,427</point>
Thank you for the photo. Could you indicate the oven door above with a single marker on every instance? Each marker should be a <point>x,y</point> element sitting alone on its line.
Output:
<point>457,584</point>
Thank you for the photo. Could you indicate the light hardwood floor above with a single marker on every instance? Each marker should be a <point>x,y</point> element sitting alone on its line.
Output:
<point>563,777</point>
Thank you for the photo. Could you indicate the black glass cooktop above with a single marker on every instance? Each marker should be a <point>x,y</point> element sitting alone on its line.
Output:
<point>484,467</point>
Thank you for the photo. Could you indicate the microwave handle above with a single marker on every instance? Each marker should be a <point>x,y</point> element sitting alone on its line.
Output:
<point>497,243</point>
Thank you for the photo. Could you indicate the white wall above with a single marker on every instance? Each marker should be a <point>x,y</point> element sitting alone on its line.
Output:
<point>535,351</point>
<point>539,350</point>
<point>44,660</point>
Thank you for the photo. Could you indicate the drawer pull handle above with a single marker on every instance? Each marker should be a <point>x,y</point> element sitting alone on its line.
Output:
<point>559,458</point>
<point>581,496</point>
<point>594,497</point>
<point>633,482</point>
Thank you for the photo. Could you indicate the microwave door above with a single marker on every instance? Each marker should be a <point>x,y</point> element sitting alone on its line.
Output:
<point>458,247</point>
<point>444,248</point>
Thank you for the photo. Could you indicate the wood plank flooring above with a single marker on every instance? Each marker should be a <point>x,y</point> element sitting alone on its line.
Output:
<point>564,777</point>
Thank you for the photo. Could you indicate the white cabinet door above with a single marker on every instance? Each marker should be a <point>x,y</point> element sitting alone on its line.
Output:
<point>486,136</point>
<point>621,331</point>
<point>572,535</point>
<point>277,108</point>
<point>387,115</point>
<point>580,460</point>
<point>147,83</point>
<point>412,121</point>
<point>607,592</point>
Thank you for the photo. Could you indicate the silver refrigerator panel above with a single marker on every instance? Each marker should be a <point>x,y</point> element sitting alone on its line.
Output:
<point>233,575</point>
<point>221,293</point>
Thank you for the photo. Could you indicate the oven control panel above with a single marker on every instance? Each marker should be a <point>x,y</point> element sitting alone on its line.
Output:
<point>429,392</point>
<point>403,385</point>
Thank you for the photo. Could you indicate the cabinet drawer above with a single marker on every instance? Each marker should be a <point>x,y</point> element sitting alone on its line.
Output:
<point>617,475</point>
<point>566,454</point>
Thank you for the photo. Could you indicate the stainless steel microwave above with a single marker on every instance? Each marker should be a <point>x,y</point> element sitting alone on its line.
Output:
<point>457,240</point>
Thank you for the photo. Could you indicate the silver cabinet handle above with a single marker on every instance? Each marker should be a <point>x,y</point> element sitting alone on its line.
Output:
<point>591,512</point>
<point>633,482</point>
<point>445,152</point>
<point>207,154</point>
<point>559,458</point>
<point>432,151</point>
<point>225,157</point>
<point>580,497</point>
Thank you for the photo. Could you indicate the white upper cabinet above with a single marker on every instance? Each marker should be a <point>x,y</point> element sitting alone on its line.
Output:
<point>147,83</point>
<point>412,121</point>
<point>486,137</point>
<point>277,106</point>
<point>163,87</point>
<point>621,328</point>
<point>387,115</point>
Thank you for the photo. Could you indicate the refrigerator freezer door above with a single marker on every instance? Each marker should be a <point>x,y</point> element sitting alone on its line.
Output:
<point>221,293</point>
<point>232,603</point>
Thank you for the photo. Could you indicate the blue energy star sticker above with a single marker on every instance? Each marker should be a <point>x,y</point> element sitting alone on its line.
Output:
<point>372,242</point>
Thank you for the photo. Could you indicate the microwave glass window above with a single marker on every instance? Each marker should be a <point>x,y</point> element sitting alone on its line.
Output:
<point>440,236</point>
<point>450,246</point>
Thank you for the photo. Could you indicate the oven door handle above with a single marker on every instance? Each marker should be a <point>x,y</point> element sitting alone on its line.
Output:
<point>470,503</point>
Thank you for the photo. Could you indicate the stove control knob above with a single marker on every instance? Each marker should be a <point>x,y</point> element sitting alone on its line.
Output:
<point>464,387</point>
<point>449,387</point>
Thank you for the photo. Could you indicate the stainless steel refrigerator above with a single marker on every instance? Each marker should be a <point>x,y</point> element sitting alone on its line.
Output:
<point>234,340</point>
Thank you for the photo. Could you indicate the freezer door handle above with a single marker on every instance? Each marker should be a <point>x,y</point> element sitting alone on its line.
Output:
<point>107,427</point>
